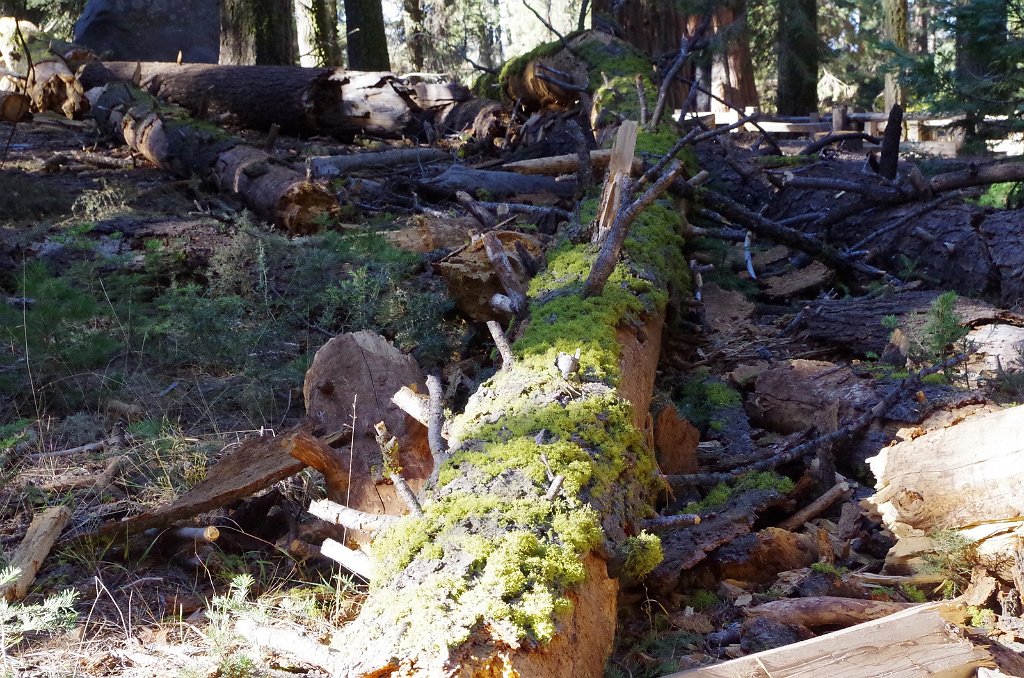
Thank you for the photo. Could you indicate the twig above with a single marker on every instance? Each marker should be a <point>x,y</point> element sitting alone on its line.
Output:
<point>554,31</point>
<point>556,486</point>
<point>610,250</point>
<point>435,422</point>
<point>389,453</point>
<point>686,47</point>
<point>501,341</point>
<point>641,95</point>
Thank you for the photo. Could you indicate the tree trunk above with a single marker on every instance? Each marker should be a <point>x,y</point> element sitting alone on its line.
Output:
<point>300,100</point>
<point>175,143</point>
<point>895,24</point>
<point>367,42</point>
<point>325,33</point>
<point>415,33</point>
<point>922,27</point>
<point>797,41</point>
<point>732,73</point>
<point>258,32</point>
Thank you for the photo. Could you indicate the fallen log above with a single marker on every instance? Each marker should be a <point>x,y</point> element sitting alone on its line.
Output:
<point>325,167</point>
<point>304,100</point>
<point>566,164</point>
<point>825,611</point>
<point>501,575</point>
<point>912,643</point>
<point>174,142</point>
<point>46,526</point>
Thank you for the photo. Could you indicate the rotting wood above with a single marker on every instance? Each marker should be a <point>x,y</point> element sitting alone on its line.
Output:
<point>915,642</point>
<point>46,526</point>
<point>14,106</point>
<point>826,610</point>
<point>302,100</point>
<point>256,464</point>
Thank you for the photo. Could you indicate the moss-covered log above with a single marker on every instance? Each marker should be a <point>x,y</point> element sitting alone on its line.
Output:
<point>598,65</point>
<point>170,139</point>
<point>495,578</point>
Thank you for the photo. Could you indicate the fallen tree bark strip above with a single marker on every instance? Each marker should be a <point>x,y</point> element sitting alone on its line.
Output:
<point>915,642</point>
<point>826,610</point>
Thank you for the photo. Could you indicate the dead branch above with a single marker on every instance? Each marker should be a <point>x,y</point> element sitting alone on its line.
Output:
<point>501,341</point>
<point>826,610</point>
<point>569,163</point>
<point>412,403</point>
<point>688,45</point>
<point>837,138</point>
<point>325,167</point>
<point>435,422</point>
<point>816,507</point>
<point>610,250</point>
<point>286,642</point>
<point>641,96</point>
<point>46,526</point>
<point>336,514</point>
<point>389,453</point>
<point>764,133</point>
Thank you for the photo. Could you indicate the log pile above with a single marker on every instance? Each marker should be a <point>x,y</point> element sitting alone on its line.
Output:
<point>500,538</point>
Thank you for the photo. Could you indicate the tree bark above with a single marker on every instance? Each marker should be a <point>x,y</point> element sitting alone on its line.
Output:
<point>896,31</point>
<point>258,32</point>
<point>367,42</point>
<point>797,41</point>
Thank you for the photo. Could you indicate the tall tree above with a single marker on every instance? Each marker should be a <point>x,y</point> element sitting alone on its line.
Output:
<point>895,25</point>
<point>367,41</point>
<point>415,32</point>
<point>258,32</point>
<point>797,45</point>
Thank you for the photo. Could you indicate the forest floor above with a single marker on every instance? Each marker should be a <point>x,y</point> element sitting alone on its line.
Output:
<point>166,325</point>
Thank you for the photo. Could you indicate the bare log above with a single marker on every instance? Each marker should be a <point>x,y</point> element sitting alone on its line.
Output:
<point>175,143</point>
<point>915,642</point>
<point>556,165</point>
<point>46,526</point>
<point>301,100</point>
<point>325,167</point>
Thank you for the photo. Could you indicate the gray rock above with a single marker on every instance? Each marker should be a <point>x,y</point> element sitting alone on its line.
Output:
<point>151,30</point>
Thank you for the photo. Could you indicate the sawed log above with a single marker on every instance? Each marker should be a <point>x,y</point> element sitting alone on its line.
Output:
<point>33,549</point>
<point>173,141</point>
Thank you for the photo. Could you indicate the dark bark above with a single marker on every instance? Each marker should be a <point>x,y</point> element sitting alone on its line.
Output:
<point>895,24</point>
<point>889,157</point>
<point>367,42</point>
<point>797,42</point>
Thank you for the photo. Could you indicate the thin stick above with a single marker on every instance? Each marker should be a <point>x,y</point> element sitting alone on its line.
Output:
<point>389,452</point>
<point>435,422</point>
<point>816,507</point>
<point>748,255</point>
<point>351,458</point>
<point>501,341</point>
<point>768,137</point>
<point>688,44</point>
<point>641,95</point>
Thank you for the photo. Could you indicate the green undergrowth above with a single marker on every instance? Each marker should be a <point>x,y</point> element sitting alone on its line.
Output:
<point>701,398</point>
<point>116,325</point>
<point>495,548</point>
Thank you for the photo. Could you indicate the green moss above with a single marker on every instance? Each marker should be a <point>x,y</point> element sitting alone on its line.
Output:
<point>702,397</point>
<point>822,567</point>
<point>643,554</point>
<point>913,594</point>
<point>515,65</point>
<point>702,599</point>
<point>754,480</point>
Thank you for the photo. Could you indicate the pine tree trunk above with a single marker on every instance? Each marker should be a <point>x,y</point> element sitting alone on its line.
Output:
<point>258,32</point>
<point>325,32</point>
<point>895,24</point>
<point>797,42</point>
<point>367,42</point>
<point>415,33</point>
